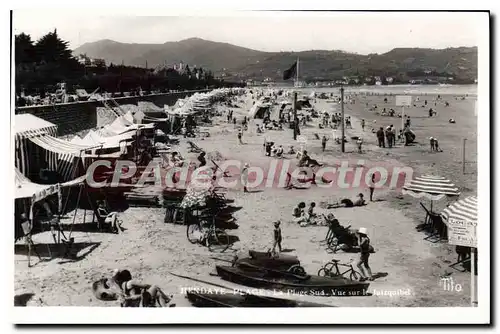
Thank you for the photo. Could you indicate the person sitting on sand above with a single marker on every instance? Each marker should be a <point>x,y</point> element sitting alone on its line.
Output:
<point>109,218</point>
<point>436,146</point>
<point>310,211</point>
<point>306,160</point>
<point>176,159</point>
<point>291,150</point>
<point>201,159</point>
<point>137,294</point>
<point>451,120</point>
<point>279,152</point>
<point>299,214</point>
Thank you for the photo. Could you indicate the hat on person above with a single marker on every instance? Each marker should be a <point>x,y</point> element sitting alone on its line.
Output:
<point>246,165</point>
<point>363,230</point>
<point>330,216</point>
<point>277,223</point>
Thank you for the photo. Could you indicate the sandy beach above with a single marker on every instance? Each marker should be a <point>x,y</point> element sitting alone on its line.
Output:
<point>409,266</point>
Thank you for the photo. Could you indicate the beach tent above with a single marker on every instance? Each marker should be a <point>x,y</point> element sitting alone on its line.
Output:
<point>26,155</point>
<point>65,155</point>
<point>259,110</point>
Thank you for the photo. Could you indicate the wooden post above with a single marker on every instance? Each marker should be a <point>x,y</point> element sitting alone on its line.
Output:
<point>343,121</point>
<point>473,278</point>
<point>463,156</point>
<point>295,121</point>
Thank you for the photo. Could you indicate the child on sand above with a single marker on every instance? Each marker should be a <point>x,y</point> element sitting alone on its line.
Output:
<point>240,135</point>
<point>359,142</point>
<point>372,187</point>
<point>364,246</point>
<point>277,237</point>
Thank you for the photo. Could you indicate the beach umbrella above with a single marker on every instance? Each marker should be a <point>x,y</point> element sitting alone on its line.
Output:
<point>431,187</point>
<point>464,210</point>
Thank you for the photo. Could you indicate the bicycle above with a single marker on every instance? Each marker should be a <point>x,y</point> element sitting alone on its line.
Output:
<point>332,269</point>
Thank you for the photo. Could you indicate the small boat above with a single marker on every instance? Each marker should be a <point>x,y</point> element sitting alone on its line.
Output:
<point>275,262</point>
<point>243,300</point>
<point>290,283</point>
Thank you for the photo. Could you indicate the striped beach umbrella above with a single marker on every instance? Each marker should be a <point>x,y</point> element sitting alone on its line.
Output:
<point>431,187</point>
<point>464,210</point>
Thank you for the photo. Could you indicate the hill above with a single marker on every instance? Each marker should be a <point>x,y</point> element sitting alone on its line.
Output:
<point>242,63</point>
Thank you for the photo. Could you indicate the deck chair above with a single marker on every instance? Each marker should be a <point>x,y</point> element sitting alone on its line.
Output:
<point>193,148</point>
<point>27,228</point>
<point>463,256</point>
<point>224,173</point>
<point>435,225</point>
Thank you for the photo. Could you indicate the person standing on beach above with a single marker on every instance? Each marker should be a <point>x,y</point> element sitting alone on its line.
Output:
<point>364,247</point>
<point>277,237</point>
<point>388,136</point>
<point>244,177</point>
<point>323,143</point>
<point>363,124</point>
<point>380,137</point>
<point>240,136</point>
<point>431,140</point>
<point>371,185</point>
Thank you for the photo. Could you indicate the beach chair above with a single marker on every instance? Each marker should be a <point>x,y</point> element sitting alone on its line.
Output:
<point>434,224</point>
<point>27,228</point>
<point>193,148</point>
<point>224,173</point>
<point>463,257</point>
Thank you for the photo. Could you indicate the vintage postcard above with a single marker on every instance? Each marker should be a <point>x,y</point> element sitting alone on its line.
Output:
<point>309,162</point>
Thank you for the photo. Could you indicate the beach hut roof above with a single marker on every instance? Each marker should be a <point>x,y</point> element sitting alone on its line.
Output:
<point>28,125</point>
<point>432,187</point>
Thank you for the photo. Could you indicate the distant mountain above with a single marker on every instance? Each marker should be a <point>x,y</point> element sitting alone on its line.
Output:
<point>239,62</point>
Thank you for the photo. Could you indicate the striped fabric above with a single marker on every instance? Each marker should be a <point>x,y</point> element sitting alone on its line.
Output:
<point>464,209</point>
<point>431,187</point>
<point>24,150</point>
<point>67,154</point>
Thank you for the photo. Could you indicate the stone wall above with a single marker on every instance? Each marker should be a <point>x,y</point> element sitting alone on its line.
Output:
<point>79,116</point>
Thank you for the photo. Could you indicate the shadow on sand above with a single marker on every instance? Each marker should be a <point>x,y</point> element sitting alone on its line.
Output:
<point>63,251</point>
<point>22,299</point>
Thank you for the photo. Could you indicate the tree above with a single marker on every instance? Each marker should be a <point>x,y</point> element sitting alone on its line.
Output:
<point>188,71</point>
<point>24,49</point>
<point>51,49</point>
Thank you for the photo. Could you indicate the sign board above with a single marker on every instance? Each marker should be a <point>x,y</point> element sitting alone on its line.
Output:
<point>462,233</point>
<point>403,100</point>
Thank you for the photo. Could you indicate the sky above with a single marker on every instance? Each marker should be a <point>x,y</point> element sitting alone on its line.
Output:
<point>366,32</point>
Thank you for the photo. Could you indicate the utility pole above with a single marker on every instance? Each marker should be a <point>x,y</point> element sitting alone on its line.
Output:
<point>295,121</point>
<point>463,156</point>
<point>343,121</point>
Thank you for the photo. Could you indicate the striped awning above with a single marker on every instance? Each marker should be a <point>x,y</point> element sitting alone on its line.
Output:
<point>25,188</point>
<point>431,187</point>
<point>58,145</point>
<point>464,209</point>
<point>28,125</point>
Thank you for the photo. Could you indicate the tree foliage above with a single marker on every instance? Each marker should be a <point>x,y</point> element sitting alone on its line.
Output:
<point>41,65</point>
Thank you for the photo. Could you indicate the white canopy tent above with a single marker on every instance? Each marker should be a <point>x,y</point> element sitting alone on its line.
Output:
<point>27,126</point>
